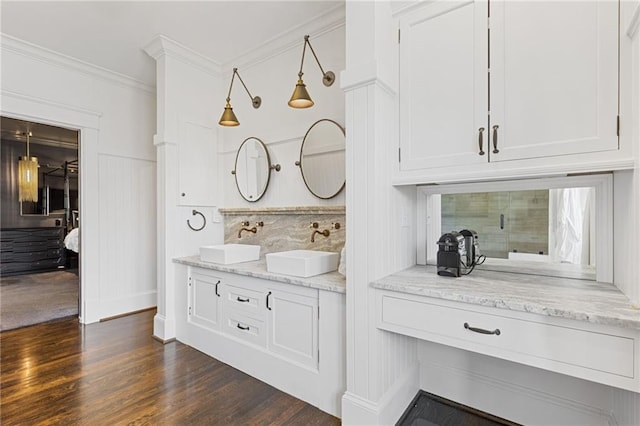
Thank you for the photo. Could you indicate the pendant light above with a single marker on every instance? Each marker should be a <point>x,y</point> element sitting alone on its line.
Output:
<point>300,97</point>
<point>28,176</point>
<point>228,118</point>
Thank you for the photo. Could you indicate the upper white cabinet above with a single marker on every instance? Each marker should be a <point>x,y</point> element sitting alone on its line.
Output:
<point>197,165</point>
<point>443,85</point>
<point>524,81</point>
<point>553,78</point>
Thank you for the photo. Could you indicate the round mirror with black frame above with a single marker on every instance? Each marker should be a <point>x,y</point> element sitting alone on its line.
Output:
<point>322,159</point>
<point>253,169</point>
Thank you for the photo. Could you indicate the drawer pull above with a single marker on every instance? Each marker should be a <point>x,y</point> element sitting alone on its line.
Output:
<point>216,289</point>
<point>481,330</point>
<point>241,327</point>
<point>268,306</point>
<point>240,299</point>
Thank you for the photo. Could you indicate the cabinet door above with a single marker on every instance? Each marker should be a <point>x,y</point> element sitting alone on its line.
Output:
<point>293,328</point>
<point>204,300</point>
<point>443,85</point>
<point>554,77</point>
<point>197,165</point>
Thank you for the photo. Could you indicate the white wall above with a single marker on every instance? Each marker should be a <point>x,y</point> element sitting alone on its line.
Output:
<point>382,370</point>
<point>273,76</point>
<point>186,143</point>
<point>116,119</point>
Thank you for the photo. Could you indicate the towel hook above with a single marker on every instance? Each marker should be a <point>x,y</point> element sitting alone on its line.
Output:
<point>204,221</point>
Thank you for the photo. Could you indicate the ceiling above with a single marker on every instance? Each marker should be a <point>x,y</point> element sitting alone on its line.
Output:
<point>41,134</point>
<point>112,34</point>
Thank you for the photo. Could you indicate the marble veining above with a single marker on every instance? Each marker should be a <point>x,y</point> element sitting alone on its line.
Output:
<point>331,281</point>
<point>580,300</point>
<point>290,230</point>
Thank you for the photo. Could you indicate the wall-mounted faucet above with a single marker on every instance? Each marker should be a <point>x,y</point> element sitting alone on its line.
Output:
<point>253,230</point>
<point>324,232</point>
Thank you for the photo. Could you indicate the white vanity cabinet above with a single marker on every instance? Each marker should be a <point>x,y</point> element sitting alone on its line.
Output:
<point>293,324</point>
<point>205,305</point>
<point>534,80</point>
<point>271,330</point>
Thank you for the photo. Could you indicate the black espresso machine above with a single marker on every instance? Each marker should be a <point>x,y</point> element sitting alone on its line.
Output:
<point>458,251</point>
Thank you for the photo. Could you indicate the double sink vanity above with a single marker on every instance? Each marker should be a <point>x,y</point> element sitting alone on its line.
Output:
<point>279,317</point>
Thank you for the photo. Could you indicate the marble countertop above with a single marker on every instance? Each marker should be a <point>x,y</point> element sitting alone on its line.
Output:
<point>331,281</point>
<point>574,299</point>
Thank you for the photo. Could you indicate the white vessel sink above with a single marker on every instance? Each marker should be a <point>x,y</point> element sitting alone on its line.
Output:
<point>229,253</point>
<point>302,263</point>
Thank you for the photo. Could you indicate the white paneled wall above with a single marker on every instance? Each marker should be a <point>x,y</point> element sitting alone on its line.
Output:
<point>273,76</point>
<point>116,119</point>
<point>128,239</point>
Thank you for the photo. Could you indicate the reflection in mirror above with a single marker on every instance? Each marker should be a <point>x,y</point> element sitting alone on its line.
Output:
<point>554,226</point>
<point>37,208</point>
<point>253,169</point>
<point>322,159</point>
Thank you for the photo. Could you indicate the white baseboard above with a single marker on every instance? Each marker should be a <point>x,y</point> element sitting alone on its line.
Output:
<point>360,411</point>
<point>163,328</point>
<point>513,401</point>
<point>100,309</point>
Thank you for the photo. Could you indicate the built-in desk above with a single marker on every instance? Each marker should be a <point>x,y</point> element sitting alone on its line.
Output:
<point>581,328</point>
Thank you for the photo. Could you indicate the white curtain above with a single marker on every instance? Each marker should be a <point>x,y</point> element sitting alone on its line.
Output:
<point>570,225</point>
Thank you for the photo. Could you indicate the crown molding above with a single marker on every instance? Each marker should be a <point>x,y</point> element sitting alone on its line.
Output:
<point>162,45</point>
<point>12,44</point>
<point>292,38</point>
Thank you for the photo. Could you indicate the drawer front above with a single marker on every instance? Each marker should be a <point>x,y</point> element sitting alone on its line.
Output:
<point>514,339</point>
<point>245,300</point>
<point>244,327</point>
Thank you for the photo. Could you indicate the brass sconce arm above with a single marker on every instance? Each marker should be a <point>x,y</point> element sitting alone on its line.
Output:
<point>301,97</point>
<point>228,117</point>
<point>327,77</point>
<point>255,100</point>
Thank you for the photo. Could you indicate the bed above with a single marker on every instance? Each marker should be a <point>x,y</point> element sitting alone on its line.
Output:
<point>71,240</point>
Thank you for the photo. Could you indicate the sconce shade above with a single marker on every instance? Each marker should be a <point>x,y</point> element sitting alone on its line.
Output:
<point>228,117</point>
<point>300,97</point>
<point>27,179</point>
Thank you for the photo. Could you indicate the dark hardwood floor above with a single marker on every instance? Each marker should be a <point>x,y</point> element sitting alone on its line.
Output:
<point>114,372</point>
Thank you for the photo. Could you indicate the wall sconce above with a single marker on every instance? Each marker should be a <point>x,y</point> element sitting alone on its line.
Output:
<point>228,118</point>
<point>27,176</point>
<point>300,97</point>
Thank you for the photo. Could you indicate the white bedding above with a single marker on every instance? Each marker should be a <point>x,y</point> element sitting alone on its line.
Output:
<point>71,240</point>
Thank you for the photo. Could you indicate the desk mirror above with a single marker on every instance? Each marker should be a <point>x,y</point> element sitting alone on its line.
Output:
<point>322,159</point>
<point>253,169</point>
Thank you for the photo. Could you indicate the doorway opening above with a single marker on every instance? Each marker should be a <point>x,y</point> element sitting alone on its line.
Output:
<point>39,271</point>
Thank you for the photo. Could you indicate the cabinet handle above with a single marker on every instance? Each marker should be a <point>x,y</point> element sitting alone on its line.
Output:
<point>216,290</point>
<point>495,139</point>
<point>240,299</point>
<point>480,143</point>
<point>268,295</point>
<point>241,327</point>
<point>481,330</point>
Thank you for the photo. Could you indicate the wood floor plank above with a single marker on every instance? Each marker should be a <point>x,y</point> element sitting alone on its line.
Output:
<point>115,373</point>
